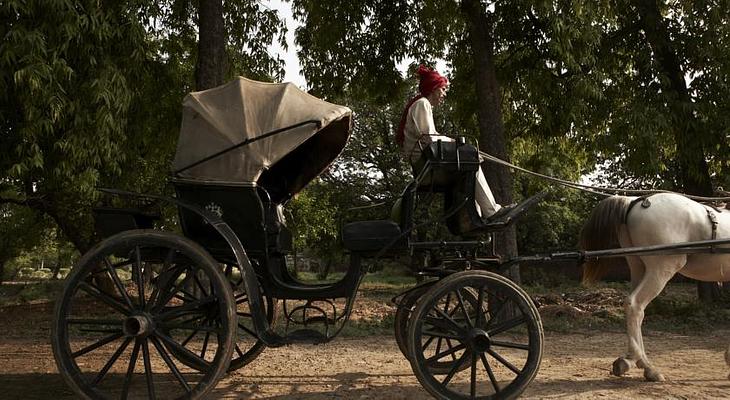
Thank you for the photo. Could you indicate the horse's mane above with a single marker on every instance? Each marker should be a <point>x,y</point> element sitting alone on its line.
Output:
<point>600,232</point>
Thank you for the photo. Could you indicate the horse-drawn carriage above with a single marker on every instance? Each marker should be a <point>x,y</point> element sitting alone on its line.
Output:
<point>169,313</point>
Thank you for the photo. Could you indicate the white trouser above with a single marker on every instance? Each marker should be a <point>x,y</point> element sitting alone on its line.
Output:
<point>486,205</point>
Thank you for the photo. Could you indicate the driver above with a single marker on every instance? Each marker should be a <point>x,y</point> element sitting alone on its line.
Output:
<point>416,130</point>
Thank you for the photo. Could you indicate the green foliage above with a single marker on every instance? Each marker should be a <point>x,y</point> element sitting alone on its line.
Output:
<point>90,96</point>
<point>19,229</point>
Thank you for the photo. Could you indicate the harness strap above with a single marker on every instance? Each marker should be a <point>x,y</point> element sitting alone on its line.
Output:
<point>713,221</point>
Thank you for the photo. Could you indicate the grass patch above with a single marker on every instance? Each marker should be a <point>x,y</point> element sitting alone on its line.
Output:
<point>14,293</point>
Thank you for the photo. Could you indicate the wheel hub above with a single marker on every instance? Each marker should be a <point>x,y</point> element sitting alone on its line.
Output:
<point>138,325</point>
<point>478,340</point>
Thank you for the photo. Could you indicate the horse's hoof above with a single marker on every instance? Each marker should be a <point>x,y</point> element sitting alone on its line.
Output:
<point>620,367</point>
<point>653,375</point>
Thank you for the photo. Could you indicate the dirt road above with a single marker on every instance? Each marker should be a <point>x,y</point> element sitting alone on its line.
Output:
<point>574,366</point>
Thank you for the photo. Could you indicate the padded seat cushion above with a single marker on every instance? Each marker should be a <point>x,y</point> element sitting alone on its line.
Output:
<point>371,236</point>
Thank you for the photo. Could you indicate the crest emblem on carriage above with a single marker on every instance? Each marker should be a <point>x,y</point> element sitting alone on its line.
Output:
<point>215,209</point>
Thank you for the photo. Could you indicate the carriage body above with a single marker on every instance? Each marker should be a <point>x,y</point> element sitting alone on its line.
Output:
<point>207,300</point>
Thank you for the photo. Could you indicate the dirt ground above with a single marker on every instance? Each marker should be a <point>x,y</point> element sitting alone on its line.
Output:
<point>574,366</point>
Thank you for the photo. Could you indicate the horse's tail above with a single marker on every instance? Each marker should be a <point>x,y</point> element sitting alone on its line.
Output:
<point>601,231</point>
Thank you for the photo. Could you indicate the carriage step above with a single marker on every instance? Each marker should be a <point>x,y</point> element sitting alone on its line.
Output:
<point>515,212</point>
<point>309,336</point>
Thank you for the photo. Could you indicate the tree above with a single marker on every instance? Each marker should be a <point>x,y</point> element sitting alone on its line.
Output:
<point>90,94</point>
<point>20,229</point>
<point>354,48</point>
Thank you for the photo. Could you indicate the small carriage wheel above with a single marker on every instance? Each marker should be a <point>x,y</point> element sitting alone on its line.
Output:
<point>126,307</point>
<point>499,338</point>
<point>403,314</point>
<point>247,346</point>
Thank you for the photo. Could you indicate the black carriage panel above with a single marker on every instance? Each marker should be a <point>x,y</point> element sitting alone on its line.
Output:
<point>450,168</point>
<point>239,206</point>
<point>109,221</point>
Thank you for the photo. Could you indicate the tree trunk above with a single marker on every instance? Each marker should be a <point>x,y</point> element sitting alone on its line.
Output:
<point>694,175</point>
<point>212,65</point>
<point>2,271</point>
<point>489,113</point>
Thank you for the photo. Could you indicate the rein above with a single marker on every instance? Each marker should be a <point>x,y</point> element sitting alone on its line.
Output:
<point>599,190</point>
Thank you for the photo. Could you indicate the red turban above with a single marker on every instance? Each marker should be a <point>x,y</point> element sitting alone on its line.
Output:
<point>430,80</point>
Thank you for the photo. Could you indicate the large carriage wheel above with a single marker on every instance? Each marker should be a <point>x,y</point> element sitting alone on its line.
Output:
<point>126,324</point>
<point>498,338</point>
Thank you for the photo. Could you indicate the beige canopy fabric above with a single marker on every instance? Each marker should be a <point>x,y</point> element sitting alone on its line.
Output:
<point>218,119</point>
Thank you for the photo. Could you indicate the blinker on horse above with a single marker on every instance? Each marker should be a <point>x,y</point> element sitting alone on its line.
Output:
<point>661,219</point>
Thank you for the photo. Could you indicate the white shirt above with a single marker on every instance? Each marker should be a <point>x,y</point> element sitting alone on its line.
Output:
<point>420,129</point>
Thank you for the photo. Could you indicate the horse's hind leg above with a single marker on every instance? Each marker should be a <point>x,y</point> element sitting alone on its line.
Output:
<point>622,365</point>
<point>658,271</point>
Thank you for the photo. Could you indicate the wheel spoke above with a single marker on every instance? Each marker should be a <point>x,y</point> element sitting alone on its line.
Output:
<point>238,350</point>
<point>503,361</point>
<point>185,327</point>
<point>454,369</point>
<point>249,331</point>
<point>463,308</point>
<point>511,345</point>
<point>441,335</point>
<point>201,363</point>
<point>140,279</point>
<point>450,320</point>
<point>104,297</point>
<point>130,370</point>
<point>162,300</point>
<point>192,334</point>
<point>148,369</point>
<point>98,344</point>
<point>87,321</point>
<point>118,283</point>
<point>205,345</point>
<point>439,323</point>
<point>495,314</point>
<point>241,298</point>
<point>448,342</point>
<point>200,285</point>
<point>438,346</point>
<point>490,373</point>
<point>165,269</point>
<point>446,353</point>
<point>506,325</point>
<point>111,362</point>
<point>189,308</point>
<point>480,307</point>
<point>473,386</point>
<point>428,343</point>
<point>170,364</point>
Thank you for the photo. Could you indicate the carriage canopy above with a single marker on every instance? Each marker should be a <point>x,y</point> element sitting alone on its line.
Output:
<point>254,133</point>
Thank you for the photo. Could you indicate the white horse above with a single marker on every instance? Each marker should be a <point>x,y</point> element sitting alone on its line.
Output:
<point>665,218</point>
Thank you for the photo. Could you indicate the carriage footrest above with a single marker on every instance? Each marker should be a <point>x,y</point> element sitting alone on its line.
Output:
<point>306,336</point>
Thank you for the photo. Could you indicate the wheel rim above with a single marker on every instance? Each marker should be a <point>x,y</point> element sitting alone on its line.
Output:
<point>491,353</point>
<point>403,314</point>
<point>247,346</point>
<point>135,335</point>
